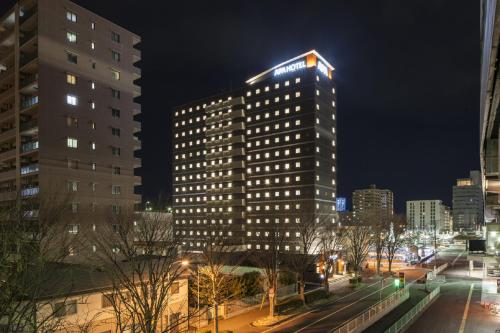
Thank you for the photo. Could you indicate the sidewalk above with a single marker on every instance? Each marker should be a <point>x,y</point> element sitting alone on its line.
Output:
<point>242,323</point>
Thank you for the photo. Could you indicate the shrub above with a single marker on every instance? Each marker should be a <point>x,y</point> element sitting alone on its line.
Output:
<point>315,295</point>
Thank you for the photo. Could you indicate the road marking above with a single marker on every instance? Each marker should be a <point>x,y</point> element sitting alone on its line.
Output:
<point>345,307</point>
<point>308,312</point>
<point>466,311</point>
<point>455,260</point>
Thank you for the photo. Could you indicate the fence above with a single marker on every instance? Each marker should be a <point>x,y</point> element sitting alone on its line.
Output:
<point>410,315</point>
<point>376,311</point>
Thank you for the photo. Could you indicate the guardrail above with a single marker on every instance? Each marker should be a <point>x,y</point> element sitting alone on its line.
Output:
<point>365,319</point>
<point>441,268</point>
<point>410,315</point>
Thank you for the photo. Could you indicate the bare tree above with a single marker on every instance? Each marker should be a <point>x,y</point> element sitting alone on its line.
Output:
<point>215,284</point>
<point>395,239</point>
<point>269,259</point>
<point>332,240</point>
<point>139,255</point>
<point>34,241</point>
<point>379,224</point>
<point>358,239</point>
<point>305,256</point>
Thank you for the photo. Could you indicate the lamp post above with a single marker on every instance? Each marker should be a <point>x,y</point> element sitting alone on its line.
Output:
<point>183,263</point>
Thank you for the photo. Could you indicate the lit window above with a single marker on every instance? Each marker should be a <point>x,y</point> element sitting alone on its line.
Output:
<point>71,100</point>
<point>92,85</point>
<point>71,37</point>
<point>92,25</point>
<point>92,45</point>
<point>72,142</point>
<point>115,74</point>
<point>297,80</point>
<point>70,16</point>
<point>70,78</point>
<point>116,189</point>
<point>93,145</point>
<point>92,105</point>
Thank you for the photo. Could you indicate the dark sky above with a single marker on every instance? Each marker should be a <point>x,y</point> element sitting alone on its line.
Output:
<point>407,77</point>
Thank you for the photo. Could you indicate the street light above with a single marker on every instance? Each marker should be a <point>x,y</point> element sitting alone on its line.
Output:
<point>183,263</point>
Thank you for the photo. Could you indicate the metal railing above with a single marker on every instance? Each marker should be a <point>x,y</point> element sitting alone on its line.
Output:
<point>374,312</point>
<point>410,315</point>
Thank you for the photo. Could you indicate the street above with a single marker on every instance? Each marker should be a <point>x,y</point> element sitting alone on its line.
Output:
<point>450,312</point>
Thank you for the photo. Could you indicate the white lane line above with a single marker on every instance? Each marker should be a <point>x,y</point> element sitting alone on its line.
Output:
<point>466,311</point>
<point>343,308</point>
<point>308,312</point>
<point>455,260</point>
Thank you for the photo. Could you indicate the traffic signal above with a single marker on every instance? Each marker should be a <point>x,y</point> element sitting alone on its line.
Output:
<point>396,283</point>
<point>401,280</point>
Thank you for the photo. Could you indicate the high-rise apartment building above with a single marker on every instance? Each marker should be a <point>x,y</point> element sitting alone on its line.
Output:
<point>372,200</point>
<point>258,159</point>
<point>425,215</point>
<point>67,107</point>
<point>468,203</point>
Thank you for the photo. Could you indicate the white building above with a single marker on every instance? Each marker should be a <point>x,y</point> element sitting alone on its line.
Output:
<point>423,215</point>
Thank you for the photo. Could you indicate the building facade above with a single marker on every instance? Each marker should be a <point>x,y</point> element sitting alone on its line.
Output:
<point>468,204</point>
<point>425,215</point>
<point>372,200</point>
<point>67,107</point>
<point>258,159</point>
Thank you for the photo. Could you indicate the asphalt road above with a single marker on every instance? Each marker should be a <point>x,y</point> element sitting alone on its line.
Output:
<point>331,316</point>
<point>458,308</point>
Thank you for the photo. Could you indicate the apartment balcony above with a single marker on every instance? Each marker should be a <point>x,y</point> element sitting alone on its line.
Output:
<point>7,38</point>
<point>137,162</point>
<point>7,134</point>
<point>137,180</point>
<point>27,58</point>
<point>235,177</point>
<point>136,126</point>
<point>234,127</point>
<point>234,152</point>
<point>8,194</point>
<point>7,74</point>
<point>136,109</point>
<point>30,169</point>
<point>29,147</point>
<point>30,191</point>
<point>217,154</point>
<point>214,191</point>
<point>8,154</point>
<point>6,114</point>
<point>213,119</point>
<point>28,15</point>
<point>235,139</point>
<point>29,102</point>
<point>234,114</point>
<point>235,165</point>
<point>212,131</point>
<point>27,36</point>
<point>6,94</point>
<point>29,127</point>
<point>6,175</point>
<point>235,189</point>
<point>29,84</point>
<point>136,142</point>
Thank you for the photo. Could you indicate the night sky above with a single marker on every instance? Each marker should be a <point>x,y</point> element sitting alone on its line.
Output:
<point>407,76</point>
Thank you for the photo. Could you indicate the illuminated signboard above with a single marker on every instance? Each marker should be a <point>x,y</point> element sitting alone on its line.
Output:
<point>290,68</point>
<point>341,204</point>
<point>322,68</point>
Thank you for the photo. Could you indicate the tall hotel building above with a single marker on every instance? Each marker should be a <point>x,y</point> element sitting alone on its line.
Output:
<point>67,107</point>
<point>259,158</point>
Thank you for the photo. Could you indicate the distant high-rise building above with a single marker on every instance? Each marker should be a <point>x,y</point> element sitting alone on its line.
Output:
<point>259,158</point>
<point>424,215</point>
<point>67,90</point>
<point>468,204</point>
<point>372,200</point>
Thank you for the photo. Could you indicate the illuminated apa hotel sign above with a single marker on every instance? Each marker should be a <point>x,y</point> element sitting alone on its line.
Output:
<point>290,68</point>
<point>307,60</point>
